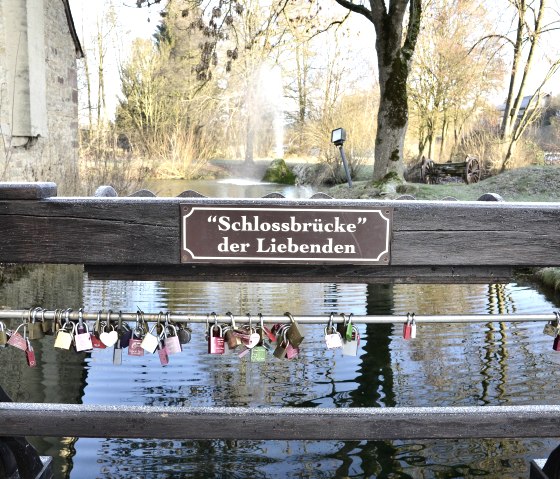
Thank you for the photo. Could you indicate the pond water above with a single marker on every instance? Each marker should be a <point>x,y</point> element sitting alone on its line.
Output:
<point>447,365</point>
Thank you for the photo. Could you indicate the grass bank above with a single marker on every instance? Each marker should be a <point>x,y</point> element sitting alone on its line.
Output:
<point>535,183</point>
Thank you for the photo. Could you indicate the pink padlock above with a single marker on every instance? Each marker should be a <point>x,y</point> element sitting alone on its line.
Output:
<point>172,343</point>
<point>216,343</point>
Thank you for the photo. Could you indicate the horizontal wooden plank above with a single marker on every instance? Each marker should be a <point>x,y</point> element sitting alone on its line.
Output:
<point>27,191</point>
<point>307,274</point>
<point>279,423</point>
<point>146,231</point>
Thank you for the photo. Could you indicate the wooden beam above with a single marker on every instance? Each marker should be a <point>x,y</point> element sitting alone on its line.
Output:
<point>279,423</point>
<point>146,231</point>
<point>27,191</point>
<point>307,274</point>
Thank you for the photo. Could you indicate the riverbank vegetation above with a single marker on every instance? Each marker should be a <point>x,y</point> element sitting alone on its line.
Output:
<point>250,82</point>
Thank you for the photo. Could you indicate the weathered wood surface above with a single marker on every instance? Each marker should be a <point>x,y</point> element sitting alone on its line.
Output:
<point>131,231</point>
<point>282,273</point>
<point>27,191</point>
<point>279,423</point>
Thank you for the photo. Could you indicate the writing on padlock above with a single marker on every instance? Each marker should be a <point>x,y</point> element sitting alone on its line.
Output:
<point>258,354</point>
<point>135,343</point>
<point>216,344</point>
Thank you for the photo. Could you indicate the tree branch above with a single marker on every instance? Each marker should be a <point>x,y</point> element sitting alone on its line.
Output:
<point>356,8</point>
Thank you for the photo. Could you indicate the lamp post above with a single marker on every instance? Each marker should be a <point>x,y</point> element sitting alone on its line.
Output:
<point>338,137</point>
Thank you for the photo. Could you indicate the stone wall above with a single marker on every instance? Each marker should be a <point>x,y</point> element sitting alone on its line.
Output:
<point>51,155</point>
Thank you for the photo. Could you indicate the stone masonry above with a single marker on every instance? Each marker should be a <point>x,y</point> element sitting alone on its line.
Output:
<point>38,92</point>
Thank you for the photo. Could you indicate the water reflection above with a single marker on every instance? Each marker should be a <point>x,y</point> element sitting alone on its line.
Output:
<point>230,188</point>
<point>494,363</point>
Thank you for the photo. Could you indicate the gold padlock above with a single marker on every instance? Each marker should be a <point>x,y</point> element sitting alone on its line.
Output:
<point>35,328</point>
<point>293,334</point>
<point>3,335</point>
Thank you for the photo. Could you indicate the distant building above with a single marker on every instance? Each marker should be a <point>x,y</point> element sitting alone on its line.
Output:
<point>38,91</point>
<point>543,101</point>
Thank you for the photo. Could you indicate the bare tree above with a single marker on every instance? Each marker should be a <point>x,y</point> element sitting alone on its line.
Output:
<point>394,47</point>
<point>521,110</point>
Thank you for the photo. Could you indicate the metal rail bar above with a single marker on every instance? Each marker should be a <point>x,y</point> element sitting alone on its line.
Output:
<point>25,314</point>
<point>199,423</point>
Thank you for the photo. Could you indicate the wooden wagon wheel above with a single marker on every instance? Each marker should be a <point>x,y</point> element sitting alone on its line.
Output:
<point>472,170</point>
<point>428,172</point>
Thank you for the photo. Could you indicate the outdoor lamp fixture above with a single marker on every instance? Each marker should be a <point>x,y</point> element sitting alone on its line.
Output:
<point>338,137</point>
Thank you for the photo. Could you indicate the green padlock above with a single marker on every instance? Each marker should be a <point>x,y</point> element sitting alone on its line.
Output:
<point>258,354</point>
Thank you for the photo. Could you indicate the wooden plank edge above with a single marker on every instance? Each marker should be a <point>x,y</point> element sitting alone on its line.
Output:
<point>63,420</point>
<point>27,191</point>
<point>279,273</point>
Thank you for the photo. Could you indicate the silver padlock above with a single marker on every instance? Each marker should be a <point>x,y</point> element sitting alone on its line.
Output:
<point>350,348</point>
<point>150,341</point>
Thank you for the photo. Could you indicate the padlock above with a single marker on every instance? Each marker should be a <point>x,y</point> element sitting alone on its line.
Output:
<point>35,328</point>
<point>216,343</point>
<point>230,334</point>
<point>550,329</point>
<point>333,339</point>
<point>412,328</point>
<point>291,351</point>
<point>107,334</point>
<point>293,334</point>
<point>95,333</point>
<point>172,343</point>
<point>150,341</point>
<point>258,354</point>
<point>281,345</point>
<point>30,355</point>
<point>64,336</point>
<point>556,343</point>
<point>407,330</point>
<point>3,335</point>
<point>349,332</point>
<point>163,353</point>
<point>350,348</point>
<point>82,340</point>
<point>184,333</point>
<point>117,354</point>
<point>46,324</point>
<point>135,344</point>
<point>17,340</point>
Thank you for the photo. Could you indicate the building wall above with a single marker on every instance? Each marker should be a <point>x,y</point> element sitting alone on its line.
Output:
<point>47,153</point>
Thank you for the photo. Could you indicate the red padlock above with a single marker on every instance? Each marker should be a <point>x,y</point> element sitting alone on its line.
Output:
<point>30,355</point>
<point>407,328</point>
<point>556,344</point>
<point>216,343</point>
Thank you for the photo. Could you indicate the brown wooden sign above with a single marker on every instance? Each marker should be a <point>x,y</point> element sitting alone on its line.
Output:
<point>231,234</point>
